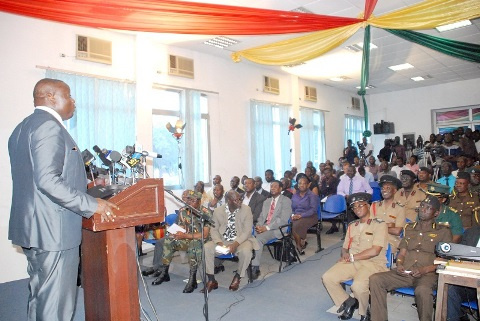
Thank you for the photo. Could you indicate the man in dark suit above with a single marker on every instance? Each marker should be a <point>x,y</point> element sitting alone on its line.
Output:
<point>235,183</point>
<point>49,201</point>
<point>275,212</point>
<point>253,199</point>
<point>258,187</point>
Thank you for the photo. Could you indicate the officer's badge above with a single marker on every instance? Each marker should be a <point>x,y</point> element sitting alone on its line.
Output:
<point>433,235</point>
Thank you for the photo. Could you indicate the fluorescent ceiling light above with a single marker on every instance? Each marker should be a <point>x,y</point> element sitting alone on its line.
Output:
<point>368,87</point>
<point>341,78</point>
<point>359,47</point>
<point>400,67</point>
<point>221,42</point>
<point>419,78</point>
<point>455,25</point>
<point>372,45</point>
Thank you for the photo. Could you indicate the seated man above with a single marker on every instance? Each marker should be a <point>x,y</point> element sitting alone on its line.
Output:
<point>189,241</point>
<point>276,211</point>
<point>363,254</point>
<point>415,266</point>
<point>233,229</point>
<point>218,198</point>
<point>409,195</point>
<point>458,294</point>
<point>390,211</point>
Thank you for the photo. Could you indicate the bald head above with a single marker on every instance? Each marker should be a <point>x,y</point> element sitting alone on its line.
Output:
<point>54,94</point>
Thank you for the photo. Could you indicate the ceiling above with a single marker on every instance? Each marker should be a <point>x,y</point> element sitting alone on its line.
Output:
<point>391,50</point>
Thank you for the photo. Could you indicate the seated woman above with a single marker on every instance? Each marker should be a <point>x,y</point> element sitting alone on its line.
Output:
<point>304,208</point>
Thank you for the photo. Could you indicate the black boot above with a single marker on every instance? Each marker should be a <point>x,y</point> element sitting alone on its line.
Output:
<point>163,277</point>
<point>192,281</point>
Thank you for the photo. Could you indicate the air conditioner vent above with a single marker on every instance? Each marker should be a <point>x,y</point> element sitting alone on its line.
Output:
<point>94,49</point>
<point>356,103</point>
<point>181,66</point>
<point>271,85</point>
<point>310,93</point>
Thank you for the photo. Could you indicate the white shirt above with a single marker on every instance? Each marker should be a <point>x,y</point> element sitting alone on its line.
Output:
<point>52,112</point>
<point>369,177</point>
<point>368,148</point>
<point>266,186</point>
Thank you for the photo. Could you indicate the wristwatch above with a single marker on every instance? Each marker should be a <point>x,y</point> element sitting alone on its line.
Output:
<point>351,258</point>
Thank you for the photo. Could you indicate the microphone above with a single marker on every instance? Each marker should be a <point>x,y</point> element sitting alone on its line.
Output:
<point>151,154</point>
<point>115,156</point>
<point>102,157</point>
<point>88,157</point>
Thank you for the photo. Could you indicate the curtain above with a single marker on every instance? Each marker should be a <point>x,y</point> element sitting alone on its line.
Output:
<point>312,136</point>
<point>354,127</point>
<point>195,147</point>
<point>270,142</point>
<point>105,111</point>
<point>457,49</point>
<point>173,16</point>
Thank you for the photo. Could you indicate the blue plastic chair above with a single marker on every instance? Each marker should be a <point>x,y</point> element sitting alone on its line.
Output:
<point>333,208</point>
<point>286,244</point>
<point>377,191</point>
<point>169,220</point>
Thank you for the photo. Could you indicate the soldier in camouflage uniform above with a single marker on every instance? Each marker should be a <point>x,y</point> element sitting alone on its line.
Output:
<point>189,241</point>
<point>465,202</point>
<point>363,254</point>
<point>415,266</point>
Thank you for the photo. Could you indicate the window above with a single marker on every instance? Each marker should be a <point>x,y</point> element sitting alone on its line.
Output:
<point>190,106</point>
<point>270,140</point>
<point>447,120</point>
<point>354,128</point>
<point>312,136</point>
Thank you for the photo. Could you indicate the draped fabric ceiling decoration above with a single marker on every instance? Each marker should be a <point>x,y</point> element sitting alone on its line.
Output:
<point>327,32</point>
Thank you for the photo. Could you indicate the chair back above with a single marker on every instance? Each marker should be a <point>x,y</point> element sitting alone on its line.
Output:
<point>171,218</point>
<point>335,204</point>
<point>377,192</point>
<point>389,256</point>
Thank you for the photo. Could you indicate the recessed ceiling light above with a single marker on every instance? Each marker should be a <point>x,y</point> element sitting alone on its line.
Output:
<point>368,87</point>
<point>455,25</point>
<point>221,42</point>
<point>418,78</point>
<point>372,45</point>
<point>359,47</point>
<point>294,65</point>
<point>400,67</point>
<point>341,78</point>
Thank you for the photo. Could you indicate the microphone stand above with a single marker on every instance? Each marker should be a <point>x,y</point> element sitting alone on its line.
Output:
<point>203,218</point>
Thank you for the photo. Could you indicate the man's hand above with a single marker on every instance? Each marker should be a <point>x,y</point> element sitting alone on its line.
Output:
<point>233,247</point>
<point>105,208</point>
<point>296,217</point>
<point>181,236</point>
<point>345,258</point>
<point>401,270</point>
<point>260,229</point>
<point>418,272</point>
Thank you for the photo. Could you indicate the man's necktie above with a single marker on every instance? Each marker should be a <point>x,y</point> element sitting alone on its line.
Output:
<point>350,189</point>
<point>446,181</point>
<point>270,213</point>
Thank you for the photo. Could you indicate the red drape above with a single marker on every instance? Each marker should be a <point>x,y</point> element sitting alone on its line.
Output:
<point>369,7</point>
<point>173,16</point>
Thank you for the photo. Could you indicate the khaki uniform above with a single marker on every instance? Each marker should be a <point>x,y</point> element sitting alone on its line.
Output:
<point>420,246</point>
<point>465,206</point>
<point>411,201</point>
<point>359,237</point>
<point>395,213</point>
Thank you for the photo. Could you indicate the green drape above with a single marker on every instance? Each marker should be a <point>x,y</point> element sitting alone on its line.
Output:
<point>457,49</point>
<point>364,77</point>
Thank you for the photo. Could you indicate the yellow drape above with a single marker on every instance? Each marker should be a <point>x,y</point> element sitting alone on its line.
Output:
<point>428,14</point>
<point>300,49</point>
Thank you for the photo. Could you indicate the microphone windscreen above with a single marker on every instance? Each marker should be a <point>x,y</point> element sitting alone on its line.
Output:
<point>115,156</point>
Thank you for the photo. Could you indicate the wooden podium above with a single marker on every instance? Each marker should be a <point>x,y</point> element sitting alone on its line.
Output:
<point>109,253</point>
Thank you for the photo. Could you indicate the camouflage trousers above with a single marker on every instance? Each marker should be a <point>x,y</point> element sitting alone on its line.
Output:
<point>192,247</point>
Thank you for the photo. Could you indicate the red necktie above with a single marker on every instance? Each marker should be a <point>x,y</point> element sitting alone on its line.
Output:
<point>270,213</point>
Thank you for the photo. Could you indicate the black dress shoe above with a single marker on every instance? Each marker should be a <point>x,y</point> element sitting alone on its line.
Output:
<point>350,306</point>
<point>255,272</point>
<point>218,269</point>
<point>341,308</point>
<point>235,283</point>
<point>364,318</point>
<point>148,271</point>
<point>332,230</point>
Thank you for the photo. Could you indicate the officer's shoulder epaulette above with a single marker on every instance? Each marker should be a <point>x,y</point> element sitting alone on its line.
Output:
<point>454,210</point>
<point>354,221</point>
<point>410,225</point>
<point>378,220</point>
<point>399,204</point>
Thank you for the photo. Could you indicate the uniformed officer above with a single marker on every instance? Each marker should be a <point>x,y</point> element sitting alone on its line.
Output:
<point>389,210</point>
<point>474,179</point>
<point>363,254</point>
<point>415,266</point>
<point>465,202</point>
<point>448,216</point>
<point>409,195</point>
<point>189,241</point>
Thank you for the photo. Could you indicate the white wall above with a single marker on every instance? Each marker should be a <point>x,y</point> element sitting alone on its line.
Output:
<point>410,110</point>
<point>137,58</point>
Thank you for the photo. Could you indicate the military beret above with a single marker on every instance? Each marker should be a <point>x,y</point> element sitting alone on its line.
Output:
<point>426,169</point>
<point>433,201</point>
<point>408,172</point>
<point>463,175</point>
<point>436,189</point>
<point>474,170</point>
<point>390,179</point>
<point>359,197</point>
<point>194,195</point>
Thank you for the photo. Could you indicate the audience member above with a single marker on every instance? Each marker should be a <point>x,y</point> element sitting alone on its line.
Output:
<point>368,151</point>
<point>424,178</point>
<point>269,177</point>
<point>451,150</point>
<point>385,170</point>
<point>313,185</point>
<point>447,178</point>
<point>372,167</point>
<point>415,267</point>
<point>259,188</point>
<point>356,162</point>
<point>466,143</point>
<point>363,254</point>
<point>448,216</point>
<point>234,184</point>
<point>389,210</point>
<point>350,152</point>
<point>353,184</point>
<point>328,184</point>
<point>304,208</point>
<point>412,164</point>
<point>399,166</point>
<point>200,187</point>
<point>409,196</point>
<point>386,152</point>
<point>474,180</point>
<point>366,175</point>
<point>286,190</point>
<point>190,241</point>
<point>218,198</point>
<point>233,230</point>
<point>461,165</point>
<point>458,294</point>
<point>253,199</point>
<point>217,179</point>
<point>398,148</point>
<point>275,213</point>
<point>464,201</point>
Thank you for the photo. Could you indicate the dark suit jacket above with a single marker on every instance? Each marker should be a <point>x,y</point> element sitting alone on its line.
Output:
<point>265,193</point>
<point>256,202</point>
<point>281,214</point>
<point>49,185</point>
<point>288,194</point>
